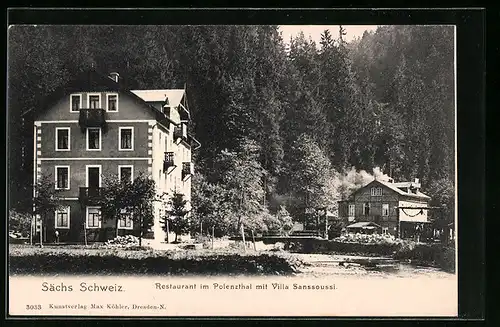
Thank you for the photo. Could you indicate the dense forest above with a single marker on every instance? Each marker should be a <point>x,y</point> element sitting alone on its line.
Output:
<point>282,128</point>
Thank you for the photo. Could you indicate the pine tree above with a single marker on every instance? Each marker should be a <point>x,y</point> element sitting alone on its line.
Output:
<point>177,215</point>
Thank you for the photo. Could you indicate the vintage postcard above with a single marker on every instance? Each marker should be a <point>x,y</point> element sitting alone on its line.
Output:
<point>232,170</point>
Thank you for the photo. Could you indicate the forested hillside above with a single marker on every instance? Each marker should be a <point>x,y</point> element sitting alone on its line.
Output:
<point>279,129</point>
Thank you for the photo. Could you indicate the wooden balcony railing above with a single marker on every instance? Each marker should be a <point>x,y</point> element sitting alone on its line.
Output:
<point>177,132</point>
<point>180,132</point>
<point>168,161</point>
<point>187,169</point>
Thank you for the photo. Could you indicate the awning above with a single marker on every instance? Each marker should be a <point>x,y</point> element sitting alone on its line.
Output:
<point>364,225</point>
<point>421,221</point>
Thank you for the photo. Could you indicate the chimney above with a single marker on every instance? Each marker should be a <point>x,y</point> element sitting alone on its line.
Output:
<point>114,76</point>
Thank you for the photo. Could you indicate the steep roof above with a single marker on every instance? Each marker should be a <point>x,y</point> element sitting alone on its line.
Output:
<point>398,190</point>
<point>89,80</point>
<point>172,97</point>
<point>392,186</point>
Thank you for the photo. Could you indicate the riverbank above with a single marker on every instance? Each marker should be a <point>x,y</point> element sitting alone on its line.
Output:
<point>436,255</point>
<point>121,261</point>
<point>360,267</point>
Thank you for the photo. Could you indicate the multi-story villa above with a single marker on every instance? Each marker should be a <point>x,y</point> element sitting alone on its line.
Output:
<point>92,128</point>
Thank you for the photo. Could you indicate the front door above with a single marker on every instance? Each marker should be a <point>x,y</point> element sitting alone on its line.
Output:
<point>93,180</point>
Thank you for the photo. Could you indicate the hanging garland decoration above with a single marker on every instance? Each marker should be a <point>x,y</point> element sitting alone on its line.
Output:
<point>421,212</point>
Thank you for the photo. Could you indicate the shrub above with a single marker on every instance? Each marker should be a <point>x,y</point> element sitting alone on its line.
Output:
<point>439,255</point>
<point>28,260</point>
<point>124,241</point>
<point>368,239</point>
<point>19,223</point>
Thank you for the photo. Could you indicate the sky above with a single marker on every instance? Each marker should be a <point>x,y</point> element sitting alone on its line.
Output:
<point>315,31</point>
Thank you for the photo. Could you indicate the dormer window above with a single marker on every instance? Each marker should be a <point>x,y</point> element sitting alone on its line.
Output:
<point>376,191</point>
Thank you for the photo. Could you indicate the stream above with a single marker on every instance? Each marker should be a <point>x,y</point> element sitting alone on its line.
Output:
<point>322,265</point>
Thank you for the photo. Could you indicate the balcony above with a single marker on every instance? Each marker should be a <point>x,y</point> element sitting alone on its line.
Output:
<point>180,132</point>
<point>168,161</point>
<point>187,169</point>
<point>92,118</point>
<point>90,195</point>
<point>177,132</point>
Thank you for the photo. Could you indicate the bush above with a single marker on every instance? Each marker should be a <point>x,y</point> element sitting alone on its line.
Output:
<point>124,241</point>
<point>19,223</point>
<point>28,260</point>
<point>368,239</point>
<point>439,255</point>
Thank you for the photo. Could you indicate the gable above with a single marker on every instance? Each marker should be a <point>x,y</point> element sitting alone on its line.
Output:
<point>366,190</point>
<point>388,189</point>
<point>172,101</point>
<point>90,82</point>
<point>128,107</point>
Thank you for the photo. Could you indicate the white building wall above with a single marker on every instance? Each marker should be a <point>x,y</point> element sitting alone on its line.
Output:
<point>160,178</point>
<point>170,181</point>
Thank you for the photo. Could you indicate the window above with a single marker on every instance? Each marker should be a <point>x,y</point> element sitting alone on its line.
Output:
<point>94,101</point>
<point>126,135</point>
<point>62,138</point>
<point>94,176</point>
<point>93,217</point>
<point>62,218</point>
<point>93,139</point>
<point>125,174</point>
<point>385,209</point>
<point>125,221</point>
<point>112,102</point>
<point>385,230</point>
<point>75,102</point>
<point>62,177</point>
<point>351,210</point>
<point>184,129</point>
<point>366,209</point>
<point>376,191</point>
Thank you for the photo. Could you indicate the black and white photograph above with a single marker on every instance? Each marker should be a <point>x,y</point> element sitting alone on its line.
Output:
<point>211,170</point>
